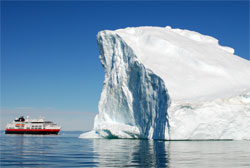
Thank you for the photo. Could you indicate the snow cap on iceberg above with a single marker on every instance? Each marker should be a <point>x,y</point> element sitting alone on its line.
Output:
<point>180,57</point>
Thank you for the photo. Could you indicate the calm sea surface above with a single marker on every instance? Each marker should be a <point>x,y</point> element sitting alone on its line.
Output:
<point>67,150</point>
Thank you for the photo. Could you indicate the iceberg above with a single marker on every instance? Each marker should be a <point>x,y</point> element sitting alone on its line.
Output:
<point>171,84</point>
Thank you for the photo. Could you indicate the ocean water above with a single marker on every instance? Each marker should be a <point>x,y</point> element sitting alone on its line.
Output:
<point>67,150</point>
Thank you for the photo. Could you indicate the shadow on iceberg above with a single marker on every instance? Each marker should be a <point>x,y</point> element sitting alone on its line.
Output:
<point>134,100</point>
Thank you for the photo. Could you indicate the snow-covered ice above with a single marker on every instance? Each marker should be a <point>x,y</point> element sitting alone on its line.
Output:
<point>165,83</point>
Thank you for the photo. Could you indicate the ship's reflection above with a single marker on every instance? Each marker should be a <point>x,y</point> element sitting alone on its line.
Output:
<point>26,150</point>
<point>131,153</point>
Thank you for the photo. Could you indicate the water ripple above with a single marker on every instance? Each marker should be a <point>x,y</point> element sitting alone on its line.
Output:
<point>66,150</point>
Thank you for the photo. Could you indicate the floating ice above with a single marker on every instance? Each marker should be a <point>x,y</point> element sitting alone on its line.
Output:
<point>164,83</point>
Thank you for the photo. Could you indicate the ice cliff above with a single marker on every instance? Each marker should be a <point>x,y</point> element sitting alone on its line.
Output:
<point>164,83</point>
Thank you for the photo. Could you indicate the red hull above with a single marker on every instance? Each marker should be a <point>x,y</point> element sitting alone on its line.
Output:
<point>32,131</point>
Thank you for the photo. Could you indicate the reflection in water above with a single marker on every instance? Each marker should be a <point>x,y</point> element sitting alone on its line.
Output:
<point>195,154</point>
<point>206,154</point>
<point>28,150</point>
<point>66,150</point>
<point>131,153</point>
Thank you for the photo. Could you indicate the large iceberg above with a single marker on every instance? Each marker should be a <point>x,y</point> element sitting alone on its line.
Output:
<point>173,84</point>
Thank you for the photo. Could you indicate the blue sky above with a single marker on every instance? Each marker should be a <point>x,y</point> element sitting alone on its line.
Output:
<point>49,55</point>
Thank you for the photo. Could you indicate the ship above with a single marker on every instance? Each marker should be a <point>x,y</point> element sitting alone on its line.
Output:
<point>31,126</point>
